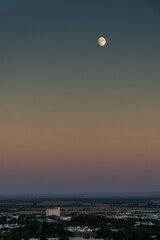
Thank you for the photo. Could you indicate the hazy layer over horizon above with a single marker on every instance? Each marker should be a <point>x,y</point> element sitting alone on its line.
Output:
<point>77,117</point>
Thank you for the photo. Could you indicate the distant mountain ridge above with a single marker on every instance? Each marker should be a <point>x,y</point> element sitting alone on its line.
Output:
<point>155,194</point>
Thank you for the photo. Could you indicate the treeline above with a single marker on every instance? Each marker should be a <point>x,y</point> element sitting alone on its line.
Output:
<point>109,229</point>
<point>130,233</point>
<point>38,230</point>
<point>118,229</point>
<point>99,221</point>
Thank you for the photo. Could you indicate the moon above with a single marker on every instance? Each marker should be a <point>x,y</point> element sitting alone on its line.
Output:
<point>102,41</point>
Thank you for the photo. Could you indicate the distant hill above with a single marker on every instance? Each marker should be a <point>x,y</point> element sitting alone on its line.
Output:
<point>84,195</point>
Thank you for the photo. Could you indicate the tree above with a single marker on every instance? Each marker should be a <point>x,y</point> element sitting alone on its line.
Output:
<point>104,232</point>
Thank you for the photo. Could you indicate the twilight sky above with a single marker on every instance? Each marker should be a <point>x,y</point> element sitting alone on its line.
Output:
<point>76,117</point>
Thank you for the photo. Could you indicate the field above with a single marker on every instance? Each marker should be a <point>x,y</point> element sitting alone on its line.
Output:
<point>71,207</point>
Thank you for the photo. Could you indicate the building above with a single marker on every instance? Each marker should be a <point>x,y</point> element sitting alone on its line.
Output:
<point>52,238</point>
<point>53,212</point>
<point>65,218</point>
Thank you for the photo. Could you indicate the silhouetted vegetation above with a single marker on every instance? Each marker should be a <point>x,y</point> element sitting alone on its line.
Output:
<point>38,230</point>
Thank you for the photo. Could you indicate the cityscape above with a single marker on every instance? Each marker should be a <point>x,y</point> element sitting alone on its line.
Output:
<point>79,119</point>
<point>79,218</point>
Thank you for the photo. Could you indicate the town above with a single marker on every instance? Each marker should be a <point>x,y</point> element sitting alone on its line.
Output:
<point>79,219</point>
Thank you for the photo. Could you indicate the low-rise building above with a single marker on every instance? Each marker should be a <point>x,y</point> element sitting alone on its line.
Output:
<point>53,212</point>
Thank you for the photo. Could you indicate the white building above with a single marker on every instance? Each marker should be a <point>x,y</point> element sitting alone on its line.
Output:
<point>52,238</point>
<point>53,212</point>
<point>65,218</point>
<point>34,239</point>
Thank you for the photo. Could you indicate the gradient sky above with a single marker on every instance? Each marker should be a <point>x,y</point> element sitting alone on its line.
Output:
<point>76,117</point>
